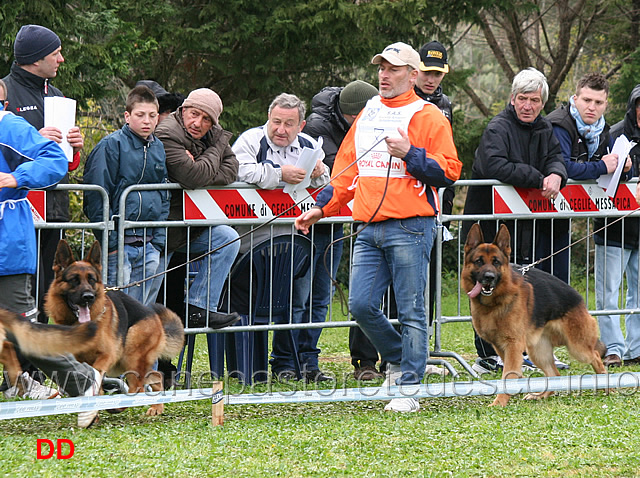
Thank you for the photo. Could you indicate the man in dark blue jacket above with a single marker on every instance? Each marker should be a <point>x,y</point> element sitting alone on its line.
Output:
<point>584,140</point>
<point>617,256</point>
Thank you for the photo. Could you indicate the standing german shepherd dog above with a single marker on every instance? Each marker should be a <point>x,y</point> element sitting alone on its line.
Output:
<point>130,336</point>
<point>534,312</point>
<point>110,331</point>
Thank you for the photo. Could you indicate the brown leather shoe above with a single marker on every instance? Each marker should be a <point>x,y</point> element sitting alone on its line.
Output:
<point>367,373</point>
<point>633,361</point>
<point>612,360</point>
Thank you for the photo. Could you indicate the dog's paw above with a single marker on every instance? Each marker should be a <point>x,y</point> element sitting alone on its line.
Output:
<point>500,401</point>
<point>155,410</point>
<point>538,396</point>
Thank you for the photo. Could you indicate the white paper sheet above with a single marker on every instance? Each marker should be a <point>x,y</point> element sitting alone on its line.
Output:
<point>609,182</point>
<point>60,112</point>
<point>307,161</point>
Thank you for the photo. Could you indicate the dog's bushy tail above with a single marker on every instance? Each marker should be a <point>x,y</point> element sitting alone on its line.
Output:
<point>38,339</point>
<point>173,330</point>
<point>601,348</point>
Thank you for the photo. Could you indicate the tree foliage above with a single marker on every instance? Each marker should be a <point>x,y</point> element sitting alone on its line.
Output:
<point>245,50</point>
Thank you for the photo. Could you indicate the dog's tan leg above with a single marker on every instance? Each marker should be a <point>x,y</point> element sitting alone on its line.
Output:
<point>9,359</point>
<point>154,379</point>
<point>541,354</point>
<point>512,359</point>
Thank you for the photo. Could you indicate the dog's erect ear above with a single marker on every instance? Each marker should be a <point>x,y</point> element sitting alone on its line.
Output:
<point>94,256</point>
<point>503,240</point>
<point>474,238</point>
<point>63,258</point>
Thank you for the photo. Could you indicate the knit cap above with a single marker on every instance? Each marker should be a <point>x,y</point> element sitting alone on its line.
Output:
<point>34,42</point>
<point>206,100</point>
<point>355,95</point>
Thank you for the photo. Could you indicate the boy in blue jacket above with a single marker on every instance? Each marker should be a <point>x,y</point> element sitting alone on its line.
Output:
<point>131,155</point>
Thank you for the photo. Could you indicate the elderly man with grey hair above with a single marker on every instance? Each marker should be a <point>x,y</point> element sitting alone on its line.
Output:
<point>267,157</point>
<point>518,147</point>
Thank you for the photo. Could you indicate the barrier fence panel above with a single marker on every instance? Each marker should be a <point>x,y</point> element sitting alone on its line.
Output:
<point>247,209</point>
<point>570,220</point>
<point>75,232</point>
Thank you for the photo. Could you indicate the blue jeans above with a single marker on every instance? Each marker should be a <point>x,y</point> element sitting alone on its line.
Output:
<point>611,263</point>
<point>395,250</point>
<point>207,285</point>
<point>307,339</point>
<point>139,263</point>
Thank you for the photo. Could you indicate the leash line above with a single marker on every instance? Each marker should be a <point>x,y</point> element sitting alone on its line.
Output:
<point>525,269</point>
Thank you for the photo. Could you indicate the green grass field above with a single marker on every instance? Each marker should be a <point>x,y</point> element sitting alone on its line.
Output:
<point>582,434</point>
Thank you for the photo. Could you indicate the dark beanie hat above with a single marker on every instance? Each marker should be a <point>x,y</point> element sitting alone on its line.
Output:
<point>34,42</point>
<point>355,95</point>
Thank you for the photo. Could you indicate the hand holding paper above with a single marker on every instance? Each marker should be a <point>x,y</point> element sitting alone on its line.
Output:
<point>60,113</point>
<point>307,161</point>
<point>610,181</point>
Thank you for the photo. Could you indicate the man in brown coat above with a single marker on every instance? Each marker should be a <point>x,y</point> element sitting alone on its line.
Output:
<point>199,155</point>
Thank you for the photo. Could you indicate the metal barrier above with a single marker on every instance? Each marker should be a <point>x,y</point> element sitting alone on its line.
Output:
<point>581,249</point>
<point>82,227</point>
<point>580,223</point>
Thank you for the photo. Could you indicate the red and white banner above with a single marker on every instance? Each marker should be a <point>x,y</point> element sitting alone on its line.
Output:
<point>572,198</point>
<point>230,204</point>
<point>38,203</point>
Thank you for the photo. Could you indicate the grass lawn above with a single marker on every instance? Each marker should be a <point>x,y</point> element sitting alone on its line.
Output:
<point>582,435</point>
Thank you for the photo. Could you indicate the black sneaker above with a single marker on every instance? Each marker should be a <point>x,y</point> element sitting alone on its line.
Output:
<point>316,375</point>
<point>285,376</point>
<point>217,320</point>
<point>487,365</point>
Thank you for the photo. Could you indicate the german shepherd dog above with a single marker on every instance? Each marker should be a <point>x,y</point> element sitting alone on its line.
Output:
<point>109,330</point>
<point>534,312</point>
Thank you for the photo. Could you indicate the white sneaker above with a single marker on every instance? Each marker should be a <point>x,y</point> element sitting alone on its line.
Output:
<point>402,405</point>
<point>26,387</point>
<point>391,375</point>
<point>86,419</point>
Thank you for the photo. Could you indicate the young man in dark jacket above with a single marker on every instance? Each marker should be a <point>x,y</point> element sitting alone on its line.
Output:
<point>584,139</point>
<point>334,109</point>
<point>518,147</point>
<point>617,254</point>
<point>38,55</point>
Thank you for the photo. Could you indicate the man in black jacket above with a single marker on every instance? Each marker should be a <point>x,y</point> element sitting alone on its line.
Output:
<point>518,147</point>
<point>617,255</point>
<point>334,109</point>
<point>38,55</point>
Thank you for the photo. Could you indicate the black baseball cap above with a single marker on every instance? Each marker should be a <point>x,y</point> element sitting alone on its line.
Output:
<point>433,56</point>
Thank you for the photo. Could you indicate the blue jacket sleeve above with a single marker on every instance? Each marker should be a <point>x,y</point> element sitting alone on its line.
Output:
<point>34,161</point>
<point>575,170</point>
<point>426,169</point>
